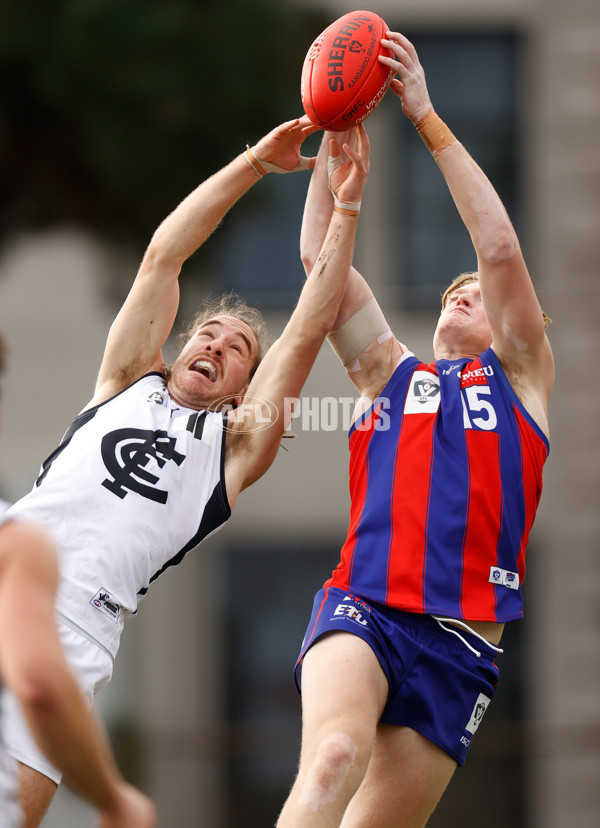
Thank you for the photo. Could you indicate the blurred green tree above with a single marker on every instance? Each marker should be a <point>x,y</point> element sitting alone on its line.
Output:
<point>112,110</point>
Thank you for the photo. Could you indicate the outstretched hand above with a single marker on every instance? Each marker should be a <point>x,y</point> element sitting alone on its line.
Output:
<point>347,176</point>
<point>281,147</point>
<point>410,85</point>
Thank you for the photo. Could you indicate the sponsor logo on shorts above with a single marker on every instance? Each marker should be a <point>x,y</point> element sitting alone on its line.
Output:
<point>503,577</point>
<point>351,611</point>
<point>104,602</point>
<point>481,705</point>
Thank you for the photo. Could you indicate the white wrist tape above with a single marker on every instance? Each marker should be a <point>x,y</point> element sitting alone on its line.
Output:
<point>263,167</point>
<point>346,208</point>
<point>364,327</point>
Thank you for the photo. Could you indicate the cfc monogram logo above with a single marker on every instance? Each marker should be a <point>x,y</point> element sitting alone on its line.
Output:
<point>128,451</point>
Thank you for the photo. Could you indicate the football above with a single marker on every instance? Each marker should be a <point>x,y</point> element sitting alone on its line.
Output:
<point>342,80</point>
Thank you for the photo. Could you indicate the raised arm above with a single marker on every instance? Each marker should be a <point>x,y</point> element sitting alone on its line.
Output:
<point>369,363</point>
<point>285,368</point>
<point>137,335</point>
<point>32,664</point>
<point>507,292</point>
<point>315,224</point>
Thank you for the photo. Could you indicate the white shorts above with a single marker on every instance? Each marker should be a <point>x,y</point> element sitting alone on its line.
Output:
<point>10,810</point>
<point>91,665</point>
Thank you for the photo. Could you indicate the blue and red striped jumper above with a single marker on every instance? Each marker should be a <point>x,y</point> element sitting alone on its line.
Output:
<point>445,480</point>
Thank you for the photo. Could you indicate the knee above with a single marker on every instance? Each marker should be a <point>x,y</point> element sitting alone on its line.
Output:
<point>337,751</point>
<point>330,769</point>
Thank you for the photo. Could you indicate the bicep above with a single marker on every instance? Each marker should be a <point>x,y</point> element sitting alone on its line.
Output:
<point>140,329</point>
<point>512,309</point>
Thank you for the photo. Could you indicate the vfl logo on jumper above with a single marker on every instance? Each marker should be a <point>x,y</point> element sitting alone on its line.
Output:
<point>105,603</point>
<point>503,577</point>
<point>127,452</point>
<point>353,611</point>
<point>156,397</point>
<point>481,705</point>
<point>423,395</point>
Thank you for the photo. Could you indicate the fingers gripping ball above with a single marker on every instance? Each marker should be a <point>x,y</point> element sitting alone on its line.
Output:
<point>342,80</point>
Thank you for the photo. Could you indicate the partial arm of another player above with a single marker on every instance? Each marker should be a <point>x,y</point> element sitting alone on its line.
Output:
<point>509,298</point>
<point>284,370</point>
<point>369,363</point>
<point>33,666</point>
<point>143,324</point>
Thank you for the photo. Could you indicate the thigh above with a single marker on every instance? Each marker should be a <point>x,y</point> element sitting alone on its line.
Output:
<point>343,693</point>
<point>343,687</point>
<point>36,792</point>
<point>405,779</point>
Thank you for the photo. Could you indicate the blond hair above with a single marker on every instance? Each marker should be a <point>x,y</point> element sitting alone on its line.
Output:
<point>465,279</point>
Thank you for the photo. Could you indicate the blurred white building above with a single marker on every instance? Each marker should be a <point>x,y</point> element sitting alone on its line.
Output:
<point>175,678</point>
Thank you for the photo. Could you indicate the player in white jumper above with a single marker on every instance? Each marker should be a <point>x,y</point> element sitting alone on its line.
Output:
<point>156,460</point>
<point>33,666</point>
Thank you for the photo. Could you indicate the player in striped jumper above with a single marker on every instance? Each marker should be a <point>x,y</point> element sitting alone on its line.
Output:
<point>397,666</point>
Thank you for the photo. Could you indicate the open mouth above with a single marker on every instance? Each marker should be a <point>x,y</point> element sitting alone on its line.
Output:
<point>206,368</point>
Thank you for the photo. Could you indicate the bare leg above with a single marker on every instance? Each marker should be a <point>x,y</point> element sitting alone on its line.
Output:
<point>343,693</point>
<point>36,792</point>
<point>405,779</point>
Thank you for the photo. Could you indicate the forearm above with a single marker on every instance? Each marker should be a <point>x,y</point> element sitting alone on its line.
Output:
<point>478,203</point>
<point>317,211</point>
<point>326,284</point>
<point>315,225</point>
<point>195,218</point>
<point>70,736</point>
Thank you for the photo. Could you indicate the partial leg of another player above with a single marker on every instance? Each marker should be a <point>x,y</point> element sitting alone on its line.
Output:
<point>344,691</point>
<point>405,779</point>
<point>36,793</point>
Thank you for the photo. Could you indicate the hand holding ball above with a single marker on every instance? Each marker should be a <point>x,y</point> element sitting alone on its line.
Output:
<point>342,79</point>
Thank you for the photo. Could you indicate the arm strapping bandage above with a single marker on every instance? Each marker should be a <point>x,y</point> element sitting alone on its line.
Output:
<point>364,327</point>
<point>435,134</point>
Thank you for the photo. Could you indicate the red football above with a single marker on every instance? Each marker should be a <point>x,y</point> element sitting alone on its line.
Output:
<point>342,80</point>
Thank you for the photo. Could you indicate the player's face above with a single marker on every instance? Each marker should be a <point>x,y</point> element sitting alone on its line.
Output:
<point>463,328</point>
<point>215,364</point>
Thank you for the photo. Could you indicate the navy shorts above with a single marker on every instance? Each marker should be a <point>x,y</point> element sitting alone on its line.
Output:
<point>437,685</point>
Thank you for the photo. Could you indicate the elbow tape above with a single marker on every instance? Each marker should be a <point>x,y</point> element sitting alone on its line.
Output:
<point>363,328</point>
